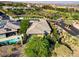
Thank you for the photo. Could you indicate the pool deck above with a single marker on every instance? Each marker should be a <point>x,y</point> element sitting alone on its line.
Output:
<point>9,38</point>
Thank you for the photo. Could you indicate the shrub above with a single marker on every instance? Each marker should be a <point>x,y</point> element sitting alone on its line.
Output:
<point>24,25</point>
<point>37,46</point>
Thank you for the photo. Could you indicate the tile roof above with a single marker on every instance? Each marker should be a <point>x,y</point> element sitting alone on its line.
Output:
<point>39,28</point>
<point>10,26</point>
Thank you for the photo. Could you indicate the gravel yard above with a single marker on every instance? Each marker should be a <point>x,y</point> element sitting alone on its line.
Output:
<point>11,51</point>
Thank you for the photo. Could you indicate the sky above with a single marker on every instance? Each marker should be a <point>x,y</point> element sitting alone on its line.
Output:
<point>52,2</point>
<point>64,2</point>
<point>38,0</point>
<point>47,1</point>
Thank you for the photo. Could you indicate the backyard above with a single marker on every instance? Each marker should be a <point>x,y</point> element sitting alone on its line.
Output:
<point>62,41</point>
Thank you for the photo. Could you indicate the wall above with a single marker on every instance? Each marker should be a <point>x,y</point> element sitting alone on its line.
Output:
<point>2,35</point>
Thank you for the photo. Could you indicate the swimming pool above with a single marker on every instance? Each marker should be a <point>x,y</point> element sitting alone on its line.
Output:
<point>11,41</point>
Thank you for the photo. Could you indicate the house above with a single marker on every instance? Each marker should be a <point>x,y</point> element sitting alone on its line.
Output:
<point>76,24</point>
<point>39,27</point>
<point>12,7</point>
<point>8,28</point>
<point>7,7</point>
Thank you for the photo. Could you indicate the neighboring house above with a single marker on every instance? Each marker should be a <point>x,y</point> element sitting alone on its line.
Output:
<point>76,24</point>
<point>7,7</point>
<point>39,27</point>
<point>39,5</point>
<point>12,7</point>
<point>8,28</point>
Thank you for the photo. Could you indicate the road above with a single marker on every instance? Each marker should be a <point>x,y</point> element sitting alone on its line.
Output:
<point>71,30</point>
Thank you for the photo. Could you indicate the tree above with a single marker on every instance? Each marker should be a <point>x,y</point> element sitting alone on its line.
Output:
<point>18,11</point>
<point>57,44</point>
<point>2,4</point>
<point>47,7</point>
<point>37,46</point>
<point>55,34</point>
<point>24,25</point>
<point>56,16</point>
<point>75,17</point>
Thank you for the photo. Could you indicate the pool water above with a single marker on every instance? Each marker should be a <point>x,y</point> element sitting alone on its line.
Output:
<point>11,41</point>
